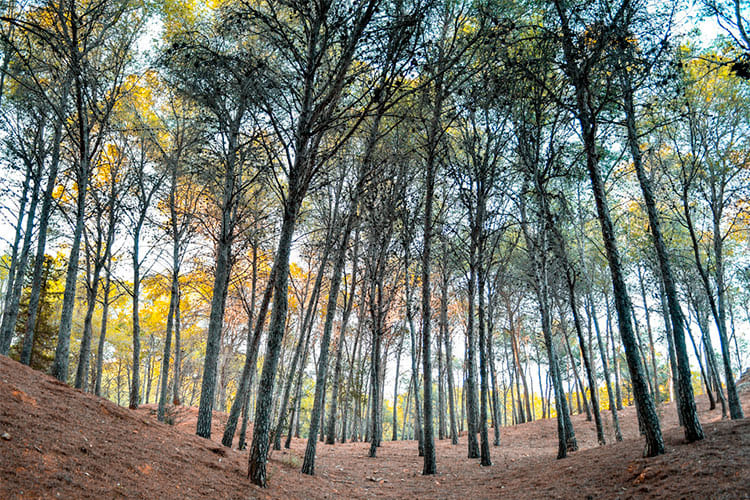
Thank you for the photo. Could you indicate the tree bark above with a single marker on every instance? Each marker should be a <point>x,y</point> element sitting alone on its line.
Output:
<point>686,400</point>
<point>251,354</point>
<point>82,171</point>
<point>335,389</point>
<point>430,466</point>
<point>103,331</point>
<point>81,380</point>
<point>448,357</point>
<point>13,294</point>
<point>586,118</point>
<point>308,464</point>
<point>485,459</point>
<point>44,216</point>
<point>62,350</point>
<point>262,423</point>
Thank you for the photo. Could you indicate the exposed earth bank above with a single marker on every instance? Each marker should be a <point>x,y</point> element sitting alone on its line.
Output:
<point>57,442</point>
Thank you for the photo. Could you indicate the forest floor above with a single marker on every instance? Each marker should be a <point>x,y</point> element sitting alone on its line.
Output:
<point>57,442</point>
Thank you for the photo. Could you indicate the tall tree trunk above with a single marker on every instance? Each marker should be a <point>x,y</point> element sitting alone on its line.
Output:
<point>218,299</point>
<point>495,401</point>
<point>164,373</point>
<point>593,387</point>
<point>565,441</point>
<point>296,402</point>
<point>414,360</point>
<point>44,216</point>
<point>81,380</point>
<point>251,354</point>
<point>670,340</point>
<point>430,466</point>
<point>262,423</point>
<point>394,416</point>
<point>242,440</point>
<point>352,379</point>
<point>686,400</point>
<point>516,357</point>
<point>82,170</point>
<point>576,376</point>
<point>705,374</point>
<point>177,379</point>
<point>610,339</point>
<point>135,395</point>
<point>735,407</point>
<point>305,331</point>
<point>103,330</point>
<point>470,383</point>
<point>62,350</point>
<point>448,357</point>
<point>587,120</point>
<point>485,459</point>
<point>711,377</point>
<point>174,291</point>
<point>374,408</point>
<point>13,294</point>
<point>442,429</point>
<point>286,410</point>
<point>335,389</point>
<point>605,369</point>
<point>652,347</point>
<point>308,464</point>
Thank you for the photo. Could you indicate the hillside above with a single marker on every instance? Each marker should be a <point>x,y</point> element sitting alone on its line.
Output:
<point>60,443</point>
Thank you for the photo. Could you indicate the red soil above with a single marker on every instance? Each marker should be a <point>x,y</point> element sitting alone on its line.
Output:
<point>61,443</point>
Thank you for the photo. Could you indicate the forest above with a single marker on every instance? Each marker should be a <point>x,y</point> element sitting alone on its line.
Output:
<point>363,221</point>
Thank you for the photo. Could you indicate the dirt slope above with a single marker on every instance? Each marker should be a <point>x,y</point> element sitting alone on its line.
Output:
<point>62,443</point>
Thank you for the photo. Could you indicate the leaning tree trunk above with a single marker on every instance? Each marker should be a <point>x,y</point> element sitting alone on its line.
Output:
<point>6,334</point>
<point>304,335</point>
<point>644,402</point>
<point>251,354</point>
<point>335,389</point>
<point>308,465</point>
<point>164,375</point>
<point>44,216</point>
<point>81,380</point>
<point>590,375</point>
<point>218,300</point>
<point>62,350</point>
<point>586,118</point>
<point>10,315</point>
<point>262,423</point>
<point>103,330</point>
<point>686,400</point>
